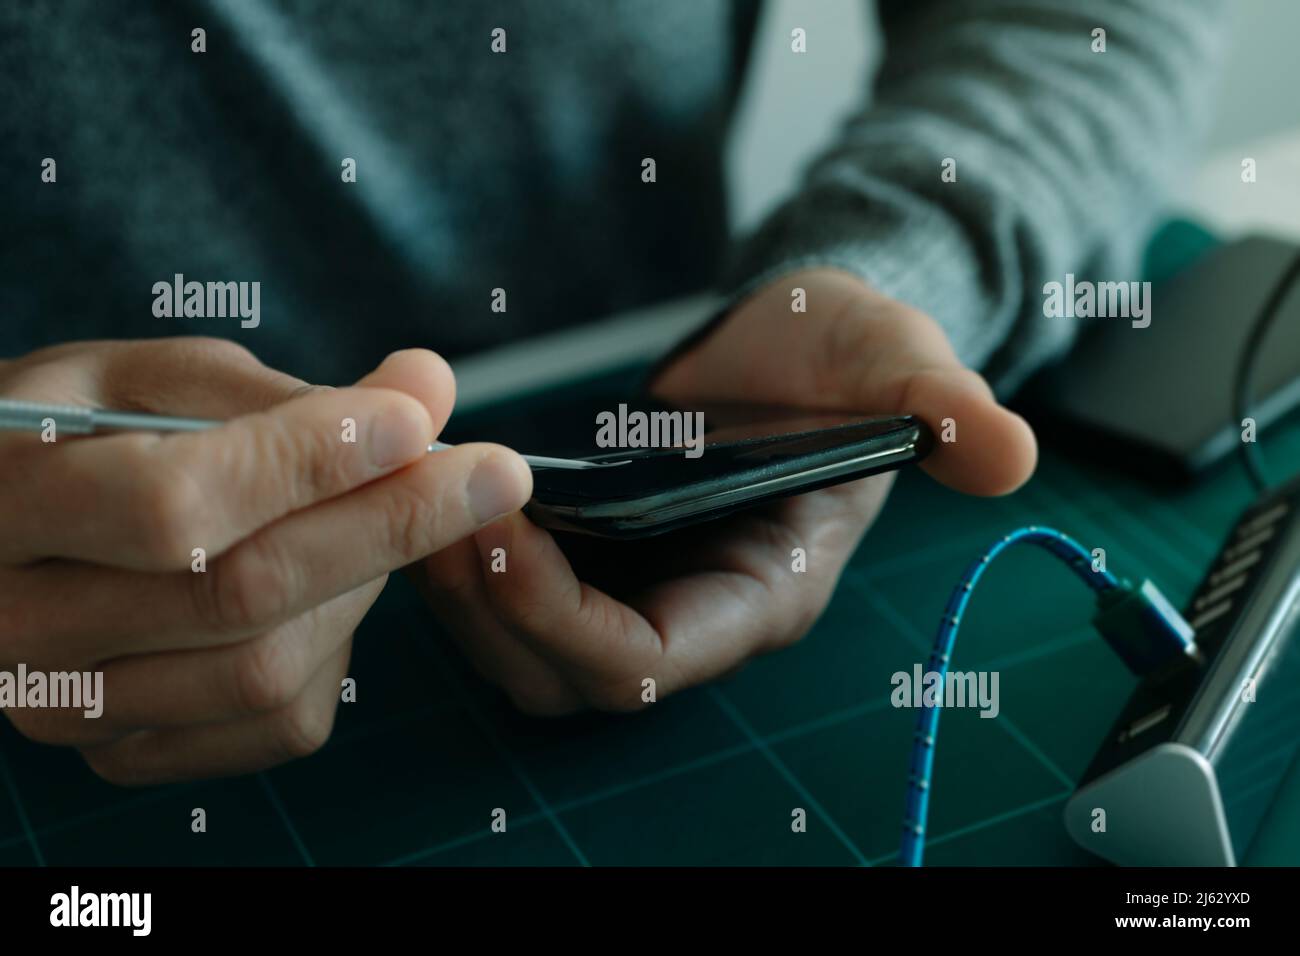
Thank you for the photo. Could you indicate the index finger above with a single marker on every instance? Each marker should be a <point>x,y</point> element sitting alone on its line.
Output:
<point>146,501</point>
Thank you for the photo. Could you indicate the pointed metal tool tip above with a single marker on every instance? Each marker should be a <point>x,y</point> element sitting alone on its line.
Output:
<point>541,461</point>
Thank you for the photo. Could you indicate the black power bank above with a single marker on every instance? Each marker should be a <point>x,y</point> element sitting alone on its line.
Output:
<point>1159,400</point>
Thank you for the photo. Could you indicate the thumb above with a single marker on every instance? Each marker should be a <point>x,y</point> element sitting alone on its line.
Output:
<point>858,350</point>
<point>981,448</point>
<point>423,374</point>
<point>475,482</point>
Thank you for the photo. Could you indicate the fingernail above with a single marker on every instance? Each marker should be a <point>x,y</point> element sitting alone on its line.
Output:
<point>398,435</point>
<point>498,485</point>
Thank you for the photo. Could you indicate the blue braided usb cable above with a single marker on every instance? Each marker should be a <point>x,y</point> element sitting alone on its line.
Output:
<point>927,725</point>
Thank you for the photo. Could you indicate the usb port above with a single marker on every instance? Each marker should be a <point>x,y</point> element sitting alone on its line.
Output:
<point>1143,724</point>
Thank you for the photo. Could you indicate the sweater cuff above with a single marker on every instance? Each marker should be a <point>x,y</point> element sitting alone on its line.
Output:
<point>905,249</point>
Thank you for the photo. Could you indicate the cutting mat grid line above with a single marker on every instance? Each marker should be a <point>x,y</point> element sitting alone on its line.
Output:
<point>28,835</point>
<point>410,775</point>
<point>924,646</point>
<point>543,806</point>
<point>1055,502</point>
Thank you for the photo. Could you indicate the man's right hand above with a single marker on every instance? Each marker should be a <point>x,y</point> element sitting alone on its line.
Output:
<point>239,666</point>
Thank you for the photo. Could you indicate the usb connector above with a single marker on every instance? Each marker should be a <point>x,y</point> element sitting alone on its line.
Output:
<point>1142,627</point>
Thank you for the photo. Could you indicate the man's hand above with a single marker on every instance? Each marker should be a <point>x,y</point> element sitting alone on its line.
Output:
<point>563,630</point>
<point>238,666</point>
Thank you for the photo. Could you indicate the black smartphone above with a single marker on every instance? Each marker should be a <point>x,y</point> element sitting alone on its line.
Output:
<point>747,456</point>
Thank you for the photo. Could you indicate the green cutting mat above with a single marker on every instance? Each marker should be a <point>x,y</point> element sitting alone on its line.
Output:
<point>418,764</point>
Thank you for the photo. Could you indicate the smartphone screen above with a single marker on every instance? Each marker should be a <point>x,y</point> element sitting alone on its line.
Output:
<point>748,456</point>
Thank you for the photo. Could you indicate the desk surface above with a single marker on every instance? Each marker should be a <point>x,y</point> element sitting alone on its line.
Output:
<point>418,764</point>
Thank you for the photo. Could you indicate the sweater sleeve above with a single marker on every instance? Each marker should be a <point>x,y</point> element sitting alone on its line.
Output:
<point>1063,157</point>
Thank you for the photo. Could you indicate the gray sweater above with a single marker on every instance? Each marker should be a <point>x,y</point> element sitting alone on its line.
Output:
<point>522,170</point>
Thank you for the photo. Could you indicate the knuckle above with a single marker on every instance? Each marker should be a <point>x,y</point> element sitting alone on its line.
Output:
<point>412,523</point>
<point>249,587</point>
<point>617,697</point>
<point>800,607</point>
<point>325,468</point>
<point>316,466</point>
<point>309,388</point>
<point>787,637</point>
<point>191,351</point>
<point>268,674</point>
<point>809,613</point>
<point>536,610</point>
<point>527,613</point>
<point>302,728</point>
<point>800,611</point>
<point>174,359</point>
<point>111,768</point>
<point>803,624</point>
<point>170,505</point>
<point>626,693</point>
<point>966,379</point>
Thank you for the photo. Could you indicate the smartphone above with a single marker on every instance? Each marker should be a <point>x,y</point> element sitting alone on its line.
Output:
<point>748,456</point>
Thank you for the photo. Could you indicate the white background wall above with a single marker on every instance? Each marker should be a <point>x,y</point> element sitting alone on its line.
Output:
<point>1261,88</point>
